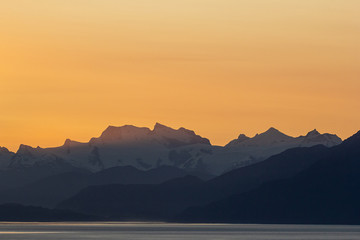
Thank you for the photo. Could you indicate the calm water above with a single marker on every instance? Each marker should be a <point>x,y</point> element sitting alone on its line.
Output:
<point>158,231</point>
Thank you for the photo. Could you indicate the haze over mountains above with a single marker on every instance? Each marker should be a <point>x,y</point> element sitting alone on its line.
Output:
<point>146,149</point>
<point>301,185</point>
<point>131,173</point>
<point>327,192</point>
<point>165,201</point>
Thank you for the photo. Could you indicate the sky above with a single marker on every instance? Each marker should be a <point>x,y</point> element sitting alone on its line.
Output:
<point>68,69</point>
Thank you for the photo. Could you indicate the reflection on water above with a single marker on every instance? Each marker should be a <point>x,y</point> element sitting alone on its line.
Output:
<point>152,231</point>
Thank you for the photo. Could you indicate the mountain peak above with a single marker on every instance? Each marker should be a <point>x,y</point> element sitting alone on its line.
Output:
<point>114,129</point>
<point>129,134</point>
<point>162,130</point>
<point>313,133</point>
<point>67,142</point>
<point>70,143</point>
<point>25,149</point>
<point>4,150</point>
<point>314,137</point>
<point>272,130</point>
<point>242,137</point>
<point>181,136</point>
<point>159,126</point>
<point>126,132</point>
<point>273,133</point>
<point>271,136</point>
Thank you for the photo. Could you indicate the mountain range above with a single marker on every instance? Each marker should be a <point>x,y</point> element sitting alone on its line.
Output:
<point>307,185</point>
<point>147,149</point>
<point>166,200</point>
<point>327,192</point>
<point>136,174</point>
<point>41,192</point>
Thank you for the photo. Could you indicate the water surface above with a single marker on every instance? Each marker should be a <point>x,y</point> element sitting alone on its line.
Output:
<point>159,231</point>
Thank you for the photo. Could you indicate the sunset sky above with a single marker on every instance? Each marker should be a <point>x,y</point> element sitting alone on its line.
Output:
<point>68,69</point>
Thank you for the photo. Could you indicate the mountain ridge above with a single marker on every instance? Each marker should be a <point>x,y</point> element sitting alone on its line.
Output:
<point>146,149</point>
<point>325,193</point>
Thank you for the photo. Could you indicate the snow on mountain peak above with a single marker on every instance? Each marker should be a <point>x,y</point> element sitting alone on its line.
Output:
<point>144,148</point>
<point>314,137</point>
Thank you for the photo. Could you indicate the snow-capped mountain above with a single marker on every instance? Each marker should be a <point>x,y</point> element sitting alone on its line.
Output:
<point>146,149</point>
<point>272,142</point>
<point>314,137</point>
<point>269,138</point>
<point>163,135</point>
<point>274,137</point>
<point>121,146</point>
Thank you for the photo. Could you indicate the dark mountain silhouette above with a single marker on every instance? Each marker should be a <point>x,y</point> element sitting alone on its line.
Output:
<point>132,173</point>
<point>49,191</point>
<point>16,212</point>
<point>137,202</point>
<point>17,177</point>
<point>326,193</point>
<point>280,166</point>
<point>152,202</point>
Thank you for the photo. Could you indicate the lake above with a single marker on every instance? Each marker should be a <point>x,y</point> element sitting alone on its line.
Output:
<point>158,231</point>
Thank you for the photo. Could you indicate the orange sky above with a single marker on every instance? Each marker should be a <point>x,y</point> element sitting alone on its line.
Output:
<point>220,67</point>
